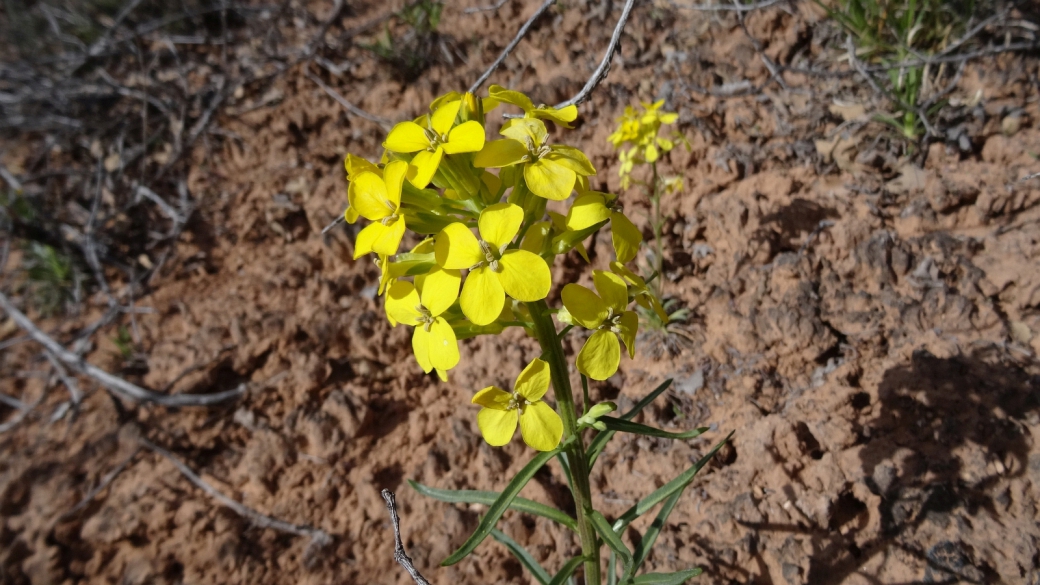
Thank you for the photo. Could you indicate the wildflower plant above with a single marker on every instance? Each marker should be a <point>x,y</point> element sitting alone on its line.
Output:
<point>486,245</point>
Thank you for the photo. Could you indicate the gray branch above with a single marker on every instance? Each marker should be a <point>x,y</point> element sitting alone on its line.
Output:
<point>400,555</point>
<point>604,66</point>
<point>512,45</point>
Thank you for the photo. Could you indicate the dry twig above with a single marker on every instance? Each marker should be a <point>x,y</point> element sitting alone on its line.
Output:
<point>604,66</point>
<point>105,481</point>
<point>512,45</point>
<point>400,555</point>
<point>114,384</point>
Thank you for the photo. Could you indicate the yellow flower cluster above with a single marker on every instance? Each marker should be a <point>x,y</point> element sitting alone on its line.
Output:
<point>640,131</point>
<point>486,243</point>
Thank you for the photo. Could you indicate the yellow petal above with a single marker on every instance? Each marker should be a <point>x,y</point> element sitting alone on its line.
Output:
<point>492,397</point>
<point>541,427</point>
<point>421,348</point>
<point>563,117</point>
<point>482,296</point>
<point>612,289</point>
<point>510,96</point>
<point>370,197</point>
<point>631,278</point>
<point>402,303</point>
<point>443,347</point>
<point>351,215</point>
<point>407,137</point>
<point>600,356</point>
<point>456,247</point>
<point>573,159</point>
<point>393,176</point>
<point>536,236</point>
<point>626,237</point>
<point>379,238</point>
<point>525,276</point>
<point>440,289</point>
<point>587,211</point>
<point>497,426</point>
<point>499,223</point>
<point>442,120</point>
<point>549,179</point>
<point>468,137</point>
<point>629,326</point>
<point>533,382</point>
<point>425,165</point>
<point>527,128</point>
<point>355,165</point>
<point>584,306</point>
<point>500,153</point>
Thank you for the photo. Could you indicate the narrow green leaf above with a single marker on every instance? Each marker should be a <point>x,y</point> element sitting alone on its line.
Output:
<point>600,442</point>
<point>489,498</point>
<point>666,578</point>
<point>612,540</point>
<point>612,569</point>
<point>500,505</point>
<point>523,556</point>
<point>565,464</point>
<point>624,426</point>
<point>567,570</point>
<point>659,495</point>
<point>650,536</point>
<point>563,243</point>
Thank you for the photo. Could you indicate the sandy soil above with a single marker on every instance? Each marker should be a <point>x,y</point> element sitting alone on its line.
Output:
<point>868,326</point>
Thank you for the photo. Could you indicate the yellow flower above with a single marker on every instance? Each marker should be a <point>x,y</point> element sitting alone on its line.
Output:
<point>494,271</point>
<point>355,165</point>
<point>432,143</point>
<point>563,116</point>
<point>644,296</point>
<point>550,171</point>
<point>540,426</point>
<point>379,199</point>
<point>591,208</point>
<point>433,341</point>
<point>542,233</point>
<point>607,314</point>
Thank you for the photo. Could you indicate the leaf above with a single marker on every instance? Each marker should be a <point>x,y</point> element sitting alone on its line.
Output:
<point>500,505</point>
<point>567,570</point>
<point>612,540</point>
<point>523,556</point>
<point>667,578</point>
<point>562,243</point>
<point>678,484</point>
<point>624,426</point>
<point>488,498</point>
<point>646,544</point>
<point>600,442</point>
<point>612,569</point>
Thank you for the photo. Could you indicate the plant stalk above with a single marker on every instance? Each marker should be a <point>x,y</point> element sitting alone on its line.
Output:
<point>656,225</point>
<point>545,331</point>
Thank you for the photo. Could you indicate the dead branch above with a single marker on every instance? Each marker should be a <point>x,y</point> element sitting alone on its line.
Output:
<point>105,481</point>
<point>74,392</point>
<point>512,45</point>
<point>400,555</point>
<point>494,6</point>
<point>604,67</point>
<point>774,70</point>
<point>319,538</point>
<point>383,122</point>
<point>114,384</point>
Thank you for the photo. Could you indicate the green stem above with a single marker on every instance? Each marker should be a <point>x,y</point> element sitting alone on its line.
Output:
<point>545,331</point>
<point>656,224</point>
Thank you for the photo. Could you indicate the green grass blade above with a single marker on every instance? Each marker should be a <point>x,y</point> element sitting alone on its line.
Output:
<point>567,570</point>
<point>500,505</point>
<point>624,426</point>
<point>659,495</point>
<point>612,540</point>
<point>666,578</point>
<point>523,556</point>
<point>600,442</point>
<point>488,498</point>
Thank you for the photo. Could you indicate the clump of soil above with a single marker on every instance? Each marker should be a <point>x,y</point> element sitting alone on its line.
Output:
<point>866,319</point>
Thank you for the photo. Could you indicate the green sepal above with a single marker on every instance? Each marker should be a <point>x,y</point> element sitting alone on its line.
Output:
<point>662,493</point>
<point>467,330</point>
<point>488,498</point>
<point>564,242</point>
<point>667,578</point>
<point>567,570</point>
<point>600,441</point>
<point>409,264</point>
<point>500,505</point>
<point>624,426</point>
<point>523,556</point>
<point>427,223</point>
<point>612,540</point>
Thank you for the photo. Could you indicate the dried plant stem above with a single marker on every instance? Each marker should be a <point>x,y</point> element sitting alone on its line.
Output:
<point>604,66</point>
<point>400,556</point>
<point>512,45</point>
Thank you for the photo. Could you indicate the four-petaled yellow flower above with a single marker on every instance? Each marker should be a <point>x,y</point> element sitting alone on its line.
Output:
<point>355,165</point>
<point>550,171</point>
<point>540,426</point>
<point>591,208</point>
<point>494,270</point>
<point>564,116</point>
<point>436,140</point>
<point>379,199</point>
<point>433,341</point>
<point>607,314</point>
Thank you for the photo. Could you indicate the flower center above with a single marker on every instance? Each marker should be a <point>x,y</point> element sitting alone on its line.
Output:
<point>518,402</point>
<point>612,323</point>
<point>489,256</point>
<point>534,152</point>
<point>390,218</point>
<point>425,318</point>
<point>434,138</point>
